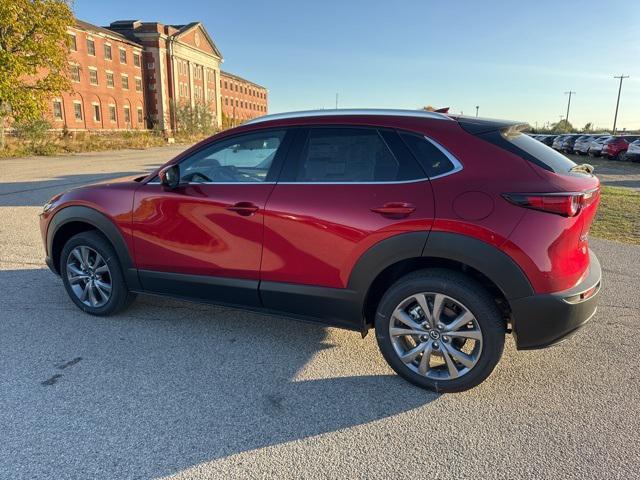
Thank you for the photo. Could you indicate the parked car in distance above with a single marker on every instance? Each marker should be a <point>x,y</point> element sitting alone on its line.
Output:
<point>595,147</point>
<point>558,142</point>
<point>581,145</point>
<point>568,143</point>
<point>633,152</point>
<point>548,139</point>
<point>363,219</point>
<point>615,147</point>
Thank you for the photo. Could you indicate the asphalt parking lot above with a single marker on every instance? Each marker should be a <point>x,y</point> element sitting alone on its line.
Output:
<point>170,389</point>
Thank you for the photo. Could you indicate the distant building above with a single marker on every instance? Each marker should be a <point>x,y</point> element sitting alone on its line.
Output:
<point>242,99</point>
<point>133,75</point>
<point>182,67</point>
<point>107,79</point>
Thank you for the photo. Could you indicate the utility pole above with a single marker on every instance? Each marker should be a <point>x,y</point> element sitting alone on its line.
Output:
<point>477,108</point>
<point>615,119</point>
<point>566,118</point>
<point>336,100</point>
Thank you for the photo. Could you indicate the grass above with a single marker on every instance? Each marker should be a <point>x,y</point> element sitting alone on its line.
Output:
<point>90,142</point>
<point>618,216</point>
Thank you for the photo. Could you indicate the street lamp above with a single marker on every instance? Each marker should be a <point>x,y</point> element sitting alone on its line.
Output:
<point>615,118</point>
<point>477,108</point>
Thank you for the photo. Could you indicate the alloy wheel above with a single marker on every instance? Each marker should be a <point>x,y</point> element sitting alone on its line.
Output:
<point>436,336</point>
<point>89,276</point>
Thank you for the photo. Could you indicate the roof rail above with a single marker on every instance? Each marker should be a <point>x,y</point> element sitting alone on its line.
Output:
<point>349,112</point>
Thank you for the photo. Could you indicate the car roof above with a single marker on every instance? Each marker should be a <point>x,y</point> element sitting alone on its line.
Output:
<point>349,112</point>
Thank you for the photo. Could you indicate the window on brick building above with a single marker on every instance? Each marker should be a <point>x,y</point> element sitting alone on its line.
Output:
<point>91,47</point>
<point>112,113</point>
<point>73,46</point>
<point>107,52</point>
<point>110,83</point>
<point>127,114</point>
<point>225,84</point>
<point>96,112</point>
<point>57,109</point>
<point>125,81</point>
<point>77,110</point>
<point>75,73</point>
<point>136,59</point>
<point>93,76</point>
<point>138,84</point>
<point>123,55</point>
<point>140,116</point>
<point>226,101</point>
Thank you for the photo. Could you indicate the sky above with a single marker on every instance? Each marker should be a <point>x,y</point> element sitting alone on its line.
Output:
<point>513,59</point>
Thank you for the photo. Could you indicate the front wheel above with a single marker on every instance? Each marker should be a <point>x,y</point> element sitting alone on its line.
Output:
<point>92,275</point>
<point>440,330</point>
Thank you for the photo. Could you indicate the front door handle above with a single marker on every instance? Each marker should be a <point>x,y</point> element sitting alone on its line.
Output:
<point>244,208</point>
<point>395,209</point>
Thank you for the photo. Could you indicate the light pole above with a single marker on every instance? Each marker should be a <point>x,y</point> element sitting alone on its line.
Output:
<point>615,118</point>
<point>566,118</point>
<point>477,108</point>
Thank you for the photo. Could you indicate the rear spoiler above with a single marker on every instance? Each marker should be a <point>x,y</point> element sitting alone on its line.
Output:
<point>478,126</point>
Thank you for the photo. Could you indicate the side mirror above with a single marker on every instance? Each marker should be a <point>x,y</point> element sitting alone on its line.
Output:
<point>170,177</point>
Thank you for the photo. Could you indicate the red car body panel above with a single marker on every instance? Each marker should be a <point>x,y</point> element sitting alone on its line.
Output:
<point>191,229</point>
<point>314,234</point>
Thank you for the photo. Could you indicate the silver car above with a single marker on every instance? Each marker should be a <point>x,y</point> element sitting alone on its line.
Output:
<point>595,148</point>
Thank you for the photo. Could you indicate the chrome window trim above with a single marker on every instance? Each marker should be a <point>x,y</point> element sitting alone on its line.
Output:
<point>457,166</point>
<point>347,112</point>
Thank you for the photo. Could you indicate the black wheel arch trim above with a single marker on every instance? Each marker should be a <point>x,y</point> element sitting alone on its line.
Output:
<point>102,223</point>
<point>496,265</point>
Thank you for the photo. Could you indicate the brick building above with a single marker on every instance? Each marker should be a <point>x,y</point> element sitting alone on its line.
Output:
<point>133,75</point>
<point>107,79</point>
<point>182,67</point>
<point>241,99</point>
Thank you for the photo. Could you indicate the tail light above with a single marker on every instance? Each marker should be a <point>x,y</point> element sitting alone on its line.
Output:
<point>565,204</point>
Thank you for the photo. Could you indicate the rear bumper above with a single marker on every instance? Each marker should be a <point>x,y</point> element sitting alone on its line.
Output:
<point>543,320</point>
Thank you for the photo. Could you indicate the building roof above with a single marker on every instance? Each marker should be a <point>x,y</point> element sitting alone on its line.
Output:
<point>241,79</point>
<point>185,28</point>
<point>88,27</point>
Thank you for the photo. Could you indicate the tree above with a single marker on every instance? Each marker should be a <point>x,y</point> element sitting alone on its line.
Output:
<point>562,127</point>
<point>588,127</point>
<point>33,57</point>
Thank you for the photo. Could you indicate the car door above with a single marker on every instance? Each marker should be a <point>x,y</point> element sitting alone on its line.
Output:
<point>204,238</point>
<point>342,190</point>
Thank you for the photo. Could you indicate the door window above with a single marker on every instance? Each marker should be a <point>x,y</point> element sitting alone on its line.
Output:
<point>351,155</point>
<point>242,159</point>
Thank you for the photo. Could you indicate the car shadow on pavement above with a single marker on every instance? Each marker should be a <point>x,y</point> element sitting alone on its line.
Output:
<point>168,385</point>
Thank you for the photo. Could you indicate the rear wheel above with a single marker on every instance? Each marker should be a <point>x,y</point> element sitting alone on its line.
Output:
<point>92,275</point>
<point>440,330</point>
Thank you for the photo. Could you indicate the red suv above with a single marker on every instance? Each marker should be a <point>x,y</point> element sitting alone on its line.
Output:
<point>443,233</point>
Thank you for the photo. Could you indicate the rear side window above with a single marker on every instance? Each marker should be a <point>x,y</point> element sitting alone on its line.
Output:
<point>432,159</point>
<point>531,150</point>
<point>350,155</point>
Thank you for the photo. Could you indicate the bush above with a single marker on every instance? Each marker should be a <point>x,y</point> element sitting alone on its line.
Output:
<point>35,134</point>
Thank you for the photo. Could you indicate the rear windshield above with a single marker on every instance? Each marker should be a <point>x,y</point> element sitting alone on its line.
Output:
<point>539,153</point>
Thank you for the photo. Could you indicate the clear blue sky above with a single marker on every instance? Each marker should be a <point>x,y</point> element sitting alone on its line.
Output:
<point>513,59</point>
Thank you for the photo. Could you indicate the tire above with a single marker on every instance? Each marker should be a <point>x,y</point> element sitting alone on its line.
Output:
<point>101,269</point>
<point>460,293</point>
<point>620,156</point>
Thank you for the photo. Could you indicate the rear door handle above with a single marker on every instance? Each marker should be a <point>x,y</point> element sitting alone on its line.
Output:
<point>244,208</point>
<point>395,209</point>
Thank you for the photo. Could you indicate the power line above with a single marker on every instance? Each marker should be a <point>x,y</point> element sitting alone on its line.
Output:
<point>615,118</point>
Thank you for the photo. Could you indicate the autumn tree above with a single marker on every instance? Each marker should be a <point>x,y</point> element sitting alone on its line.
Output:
<point>33,57</point>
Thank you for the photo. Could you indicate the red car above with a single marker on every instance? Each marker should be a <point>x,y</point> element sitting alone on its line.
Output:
<point>443,233</point>
<point>615,148</point>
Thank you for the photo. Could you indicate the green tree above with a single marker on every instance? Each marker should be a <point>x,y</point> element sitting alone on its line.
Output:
<point>33,57</point>
<point>562,127</point>
<point>588,127</point>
